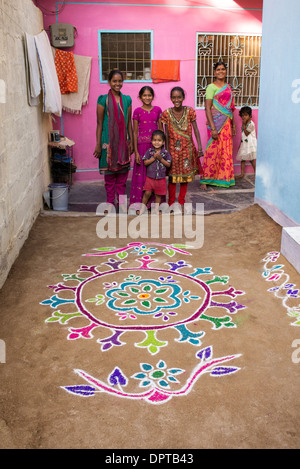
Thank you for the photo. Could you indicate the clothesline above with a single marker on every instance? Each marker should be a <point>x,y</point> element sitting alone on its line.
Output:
<point>181,60</point>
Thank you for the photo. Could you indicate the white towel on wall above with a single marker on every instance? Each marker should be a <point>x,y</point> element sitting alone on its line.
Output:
<point>33,76</point>
<point>34,71</point>
<point>73,102</point>
<point>50,85</point>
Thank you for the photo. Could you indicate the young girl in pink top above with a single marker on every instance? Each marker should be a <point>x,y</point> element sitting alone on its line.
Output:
<point>146,119</point>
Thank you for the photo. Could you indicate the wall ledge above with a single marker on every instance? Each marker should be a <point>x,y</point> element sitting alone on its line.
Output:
<point>290,236</point>
<point>290,245</point>
<point>280,217</point>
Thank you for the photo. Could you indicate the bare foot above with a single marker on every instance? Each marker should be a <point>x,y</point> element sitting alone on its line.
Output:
<point>239,176</point>
<point>203,187</point>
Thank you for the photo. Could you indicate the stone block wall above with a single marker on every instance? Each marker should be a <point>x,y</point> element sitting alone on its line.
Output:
<point>24,166</point>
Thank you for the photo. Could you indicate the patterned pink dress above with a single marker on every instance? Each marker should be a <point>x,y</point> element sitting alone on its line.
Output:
<point>147,123</point>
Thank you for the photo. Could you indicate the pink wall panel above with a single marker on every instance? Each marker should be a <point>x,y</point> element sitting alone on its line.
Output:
<point>174,37</point>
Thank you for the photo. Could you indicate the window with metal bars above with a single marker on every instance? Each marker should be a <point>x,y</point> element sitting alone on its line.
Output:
<point>130,52</point>
<point>241,54</point>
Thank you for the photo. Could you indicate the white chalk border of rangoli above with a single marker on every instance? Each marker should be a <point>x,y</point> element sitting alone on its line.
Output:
<point>158,381</point>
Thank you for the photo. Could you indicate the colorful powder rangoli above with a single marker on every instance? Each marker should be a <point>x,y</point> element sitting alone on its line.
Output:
<point>285,290</point>
<point>129,293</point>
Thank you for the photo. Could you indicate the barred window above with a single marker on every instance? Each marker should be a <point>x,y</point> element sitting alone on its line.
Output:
<point>130,52</point>
<point>241,54</point>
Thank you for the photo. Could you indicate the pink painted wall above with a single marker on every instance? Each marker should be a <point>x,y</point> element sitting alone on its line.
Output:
<point>174,24</point>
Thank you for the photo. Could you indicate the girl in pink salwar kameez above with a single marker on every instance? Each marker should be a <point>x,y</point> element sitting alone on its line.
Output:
<point>146,119</point>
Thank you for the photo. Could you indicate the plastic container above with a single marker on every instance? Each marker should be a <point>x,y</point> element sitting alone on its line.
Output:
<point>59,196</point>
<point>147,73</point>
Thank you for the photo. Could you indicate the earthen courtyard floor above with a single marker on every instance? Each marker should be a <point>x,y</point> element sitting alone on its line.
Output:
<point>202,355</point>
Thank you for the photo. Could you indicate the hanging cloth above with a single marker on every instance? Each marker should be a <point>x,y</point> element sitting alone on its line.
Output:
<point>66,71</point>
<point>49,81</point>
<point>73,102</point>
<point>165,70</point>
<point>117,150</point>
<point>32,70</point>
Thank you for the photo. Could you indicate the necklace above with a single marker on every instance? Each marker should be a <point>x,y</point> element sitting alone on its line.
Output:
<point>178,115</point>
<point>180,120</point>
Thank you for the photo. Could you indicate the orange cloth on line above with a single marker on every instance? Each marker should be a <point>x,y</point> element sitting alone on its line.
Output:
<point>66,71</point>
<point>165,70</point>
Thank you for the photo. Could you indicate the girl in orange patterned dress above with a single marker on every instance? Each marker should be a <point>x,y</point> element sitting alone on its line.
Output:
<point>180,122</point>
<point>219,107</point>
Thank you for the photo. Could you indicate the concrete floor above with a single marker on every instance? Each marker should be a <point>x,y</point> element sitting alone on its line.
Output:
<point>85,197</point>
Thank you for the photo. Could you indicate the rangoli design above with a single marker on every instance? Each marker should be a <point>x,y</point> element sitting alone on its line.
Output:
<point>285,290</point>
<point>129,292</point>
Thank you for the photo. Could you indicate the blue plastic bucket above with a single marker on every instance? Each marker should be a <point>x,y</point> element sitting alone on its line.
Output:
<point>59,196</point>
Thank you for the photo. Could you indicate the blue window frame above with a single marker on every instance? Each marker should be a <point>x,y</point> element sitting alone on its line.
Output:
<point>129,51</point>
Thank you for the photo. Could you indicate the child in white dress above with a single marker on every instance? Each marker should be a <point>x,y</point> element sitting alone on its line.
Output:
<point>248,145</point>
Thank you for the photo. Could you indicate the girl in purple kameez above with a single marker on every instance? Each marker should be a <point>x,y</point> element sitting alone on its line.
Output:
<point>146,119</point>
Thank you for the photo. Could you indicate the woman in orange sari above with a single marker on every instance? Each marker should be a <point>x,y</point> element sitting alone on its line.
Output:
<point>219,107</point>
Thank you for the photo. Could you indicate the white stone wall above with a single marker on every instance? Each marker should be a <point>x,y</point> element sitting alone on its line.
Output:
<point>24,166</point>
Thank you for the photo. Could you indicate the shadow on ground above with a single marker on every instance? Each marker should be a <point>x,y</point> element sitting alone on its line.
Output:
<point>85,197</point>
